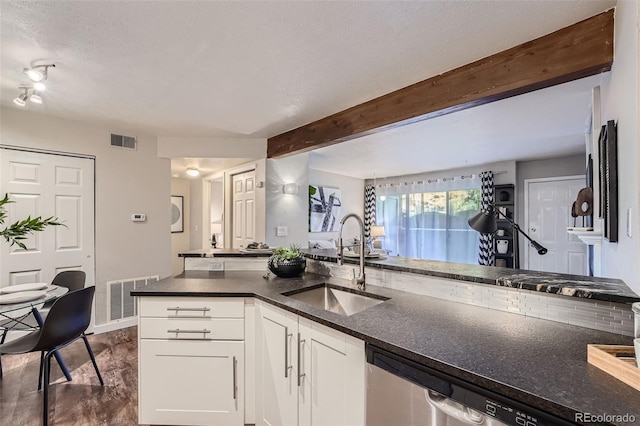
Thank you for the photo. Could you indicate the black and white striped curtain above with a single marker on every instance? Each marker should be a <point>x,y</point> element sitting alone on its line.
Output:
<point>486,255</point>
<point>369,209</point>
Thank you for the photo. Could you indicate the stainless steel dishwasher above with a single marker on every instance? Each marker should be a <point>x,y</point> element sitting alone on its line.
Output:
<point>401,392</point>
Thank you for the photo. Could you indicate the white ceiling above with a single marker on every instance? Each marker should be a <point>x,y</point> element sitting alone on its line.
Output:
<point>235,68</point>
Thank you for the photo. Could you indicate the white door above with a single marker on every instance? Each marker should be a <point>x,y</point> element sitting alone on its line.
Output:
<point>48,185</point>
<point>244,207</point>
<point>548,208</point>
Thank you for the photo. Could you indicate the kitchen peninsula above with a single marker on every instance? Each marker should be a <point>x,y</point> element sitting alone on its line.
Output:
<point>540,363</point>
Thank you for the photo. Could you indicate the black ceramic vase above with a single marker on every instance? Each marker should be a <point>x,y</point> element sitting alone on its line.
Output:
<point>287,268</point>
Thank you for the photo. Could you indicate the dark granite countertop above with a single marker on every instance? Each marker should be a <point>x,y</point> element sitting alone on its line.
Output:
<point>540,363</point>
<point>609,289</point>
<point>222,253</point>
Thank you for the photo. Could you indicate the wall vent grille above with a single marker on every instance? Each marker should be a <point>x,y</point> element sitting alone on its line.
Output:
<point>121,304</point>
<point>126,142</point>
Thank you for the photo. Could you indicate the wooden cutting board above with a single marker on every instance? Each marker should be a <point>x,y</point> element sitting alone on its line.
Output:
<point>617,360</point>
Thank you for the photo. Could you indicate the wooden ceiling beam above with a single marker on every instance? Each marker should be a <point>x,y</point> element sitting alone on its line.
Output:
<point>574,52</point>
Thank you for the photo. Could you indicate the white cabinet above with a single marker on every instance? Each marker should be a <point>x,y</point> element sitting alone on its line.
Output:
<point>191,361</point>
<point>308,374</point>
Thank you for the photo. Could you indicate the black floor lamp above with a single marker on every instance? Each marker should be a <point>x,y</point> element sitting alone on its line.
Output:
<point>485,223</point>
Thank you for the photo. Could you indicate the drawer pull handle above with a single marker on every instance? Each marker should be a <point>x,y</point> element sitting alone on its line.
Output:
<point>177,330</point>
<point>178,309</point>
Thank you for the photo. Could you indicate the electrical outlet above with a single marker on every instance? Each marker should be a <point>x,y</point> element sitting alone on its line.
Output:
<point>282,231</point>
<point>216,266</point>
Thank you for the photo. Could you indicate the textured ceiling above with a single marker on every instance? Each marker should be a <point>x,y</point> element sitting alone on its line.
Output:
<point>213,68</point>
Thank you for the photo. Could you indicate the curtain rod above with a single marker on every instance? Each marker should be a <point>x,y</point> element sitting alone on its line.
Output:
<point>434,180</point>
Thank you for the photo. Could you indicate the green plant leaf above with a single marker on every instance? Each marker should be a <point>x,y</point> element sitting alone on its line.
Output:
<point>20,229</point>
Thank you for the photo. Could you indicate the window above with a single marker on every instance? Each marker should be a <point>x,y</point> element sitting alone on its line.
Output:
<point>430,225</point>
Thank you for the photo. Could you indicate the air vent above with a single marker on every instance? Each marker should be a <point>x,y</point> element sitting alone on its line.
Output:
<point>120,303</point>
<point>121,141</point>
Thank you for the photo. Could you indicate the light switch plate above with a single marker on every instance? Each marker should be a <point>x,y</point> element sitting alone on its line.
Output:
<point>629,222</point>
<point>282,231</point>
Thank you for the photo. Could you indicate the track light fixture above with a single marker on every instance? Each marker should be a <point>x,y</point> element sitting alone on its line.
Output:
<point>38,72</point>
<point>22,98</point>
<point>35,98</point>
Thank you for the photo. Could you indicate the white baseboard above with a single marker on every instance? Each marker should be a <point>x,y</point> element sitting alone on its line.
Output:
<point>115,325</point>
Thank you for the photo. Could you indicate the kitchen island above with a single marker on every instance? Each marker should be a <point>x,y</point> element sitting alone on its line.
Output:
<point>537,362</point>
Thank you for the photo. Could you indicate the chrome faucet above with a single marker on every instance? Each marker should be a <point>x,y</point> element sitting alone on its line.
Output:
<point>358,281</point>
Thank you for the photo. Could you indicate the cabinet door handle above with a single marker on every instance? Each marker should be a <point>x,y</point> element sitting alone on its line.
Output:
<point>235,385</point>
<point>300,376</point>
<point>286,352</point>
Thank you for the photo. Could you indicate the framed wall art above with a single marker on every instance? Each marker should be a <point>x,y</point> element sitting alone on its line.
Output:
<point>177,216</point>
<point>324,208</point>
<point>608,168</point>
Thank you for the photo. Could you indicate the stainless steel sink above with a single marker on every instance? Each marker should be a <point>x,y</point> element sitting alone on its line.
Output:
<point>335,300</point>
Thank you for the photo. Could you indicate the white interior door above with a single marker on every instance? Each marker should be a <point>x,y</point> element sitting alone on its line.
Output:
<point>244,207</point>
<point>48,185</point>
<point>548,214</point>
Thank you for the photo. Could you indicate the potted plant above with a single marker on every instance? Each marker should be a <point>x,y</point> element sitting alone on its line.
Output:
<point>20,229</point>
<point>287,262</point>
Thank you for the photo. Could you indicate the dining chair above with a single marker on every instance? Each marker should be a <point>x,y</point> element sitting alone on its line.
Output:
<point>73,280</point>
<point>65,323</point>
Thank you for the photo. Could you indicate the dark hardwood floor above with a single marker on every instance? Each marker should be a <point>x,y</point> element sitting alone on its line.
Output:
<point>81,401</point>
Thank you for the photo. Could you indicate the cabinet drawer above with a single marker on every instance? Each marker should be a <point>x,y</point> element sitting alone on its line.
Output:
<point>191,307</point>
<point>192,328</point>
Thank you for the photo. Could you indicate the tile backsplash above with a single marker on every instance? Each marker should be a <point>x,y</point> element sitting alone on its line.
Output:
<point>595,314</point>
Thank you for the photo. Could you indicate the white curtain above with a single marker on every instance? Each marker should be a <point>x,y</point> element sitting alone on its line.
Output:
<point>428,219</point>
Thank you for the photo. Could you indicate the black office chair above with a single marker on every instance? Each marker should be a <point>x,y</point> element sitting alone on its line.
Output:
<point>73,280</point>
<point>66,322</point>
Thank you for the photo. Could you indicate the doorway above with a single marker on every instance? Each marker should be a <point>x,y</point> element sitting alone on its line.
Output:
<point>216,212</point>
<point>548,204</point>
<point>243,206</point>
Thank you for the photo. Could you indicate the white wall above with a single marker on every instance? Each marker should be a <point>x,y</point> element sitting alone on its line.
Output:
<point>179,147</point>
<point>126,182</point>
<point>620,102</point>
<point>180,240</point>
<point>352,198</point>
<point>285,209</point>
